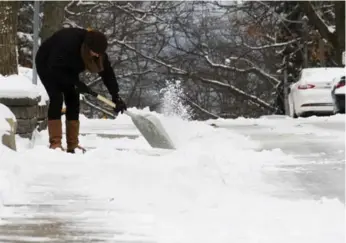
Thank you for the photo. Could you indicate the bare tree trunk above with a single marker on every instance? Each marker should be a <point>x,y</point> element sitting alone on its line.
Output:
<point>8,37</point>
<point>340,28</point>
<point>335,38</point>
<point>54,15</point>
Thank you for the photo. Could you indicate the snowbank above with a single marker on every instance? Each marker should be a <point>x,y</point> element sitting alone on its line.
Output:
<point>11,186</point>
<point>27,72</point>
<point>17,86</point>
<point>7,179</point>
<point>281,123</point>
<point>21,86</point>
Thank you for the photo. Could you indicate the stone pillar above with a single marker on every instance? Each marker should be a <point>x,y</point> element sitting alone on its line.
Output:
<point>26,112</point>
<point>42,114</point>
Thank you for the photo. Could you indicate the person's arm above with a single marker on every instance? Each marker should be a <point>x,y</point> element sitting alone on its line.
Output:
<point>109,79</point>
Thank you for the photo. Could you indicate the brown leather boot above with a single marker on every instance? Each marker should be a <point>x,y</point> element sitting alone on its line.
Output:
<point>72,133</point>
<point>55,134</point>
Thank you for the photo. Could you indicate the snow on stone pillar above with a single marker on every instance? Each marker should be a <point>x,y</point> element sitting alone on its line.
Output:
<point>8,127</point>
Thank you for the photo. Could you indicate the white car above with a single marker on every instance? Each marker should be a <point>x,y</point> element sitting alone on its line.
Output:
<point>338,94</point>
<point>311,93</point>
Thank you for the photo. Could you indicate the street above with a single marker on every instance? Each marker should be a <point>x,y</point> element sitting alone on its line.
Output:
<point>320,156</point>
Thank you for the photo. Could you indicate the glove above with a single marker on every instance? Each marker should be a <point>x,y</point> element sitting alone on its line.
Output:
<point>120,105</point>
<point>83,88</point>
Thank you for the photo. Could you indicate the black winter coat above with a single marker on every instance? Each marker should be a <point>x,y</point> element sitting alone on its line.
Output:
<point>59,60</point>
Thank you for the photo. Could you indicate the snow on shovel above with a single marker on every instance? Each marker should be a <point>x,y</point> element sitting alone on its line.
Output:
<point>149,126</point>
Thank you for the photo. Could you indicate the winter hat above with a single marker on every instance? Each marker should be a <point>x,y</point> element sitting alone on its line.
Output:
<point>96,41</point>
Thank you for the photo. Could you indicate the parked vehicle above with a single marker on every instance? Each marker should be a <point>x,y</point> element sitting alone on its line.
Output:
<point>338,94</point>
<point>311,93</point>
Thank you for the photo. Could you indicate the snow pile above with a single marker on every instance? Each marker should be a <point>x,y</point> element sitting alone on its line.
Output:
<point>280,124</point>
<point>5,112</point>
<point>21,86</point>
<point>27,72</point>
<point>17,86</point>
<point>5,127</point>
<point>7,174</point>
<point>11,182</point>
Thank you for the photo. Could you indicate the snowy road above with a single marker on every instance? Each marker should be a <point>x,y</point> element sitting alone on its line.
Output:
<point>250,180</point>
<point>318,146</point>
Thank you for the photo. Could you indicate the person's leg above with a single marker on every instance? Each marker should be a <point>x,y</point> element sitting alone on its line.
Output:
<point>71,97</point>
<point>54,113</point>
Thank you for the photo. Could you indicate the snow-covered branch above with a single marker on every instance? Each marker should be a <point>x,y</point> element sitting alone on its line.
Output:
<point>219,84</point>
<point>67,10</point>
<point>251,69</point>
<point>141,19</point>
<point>275,45</point>
<point>316,20</point>
<point>252,98</point>
<point>98,79</point>
<point>171,67</point>
<point>201,109</point>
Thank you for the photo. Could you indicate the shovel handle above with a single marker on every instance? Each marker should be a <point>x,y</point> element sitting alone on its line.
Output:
<point>106,101</point>
<point>109,102</point>
<point>103,99</point>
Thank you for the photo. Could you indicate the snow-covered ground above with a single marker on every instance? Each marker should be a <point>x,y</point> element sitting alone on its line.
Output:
<point>245,181</point>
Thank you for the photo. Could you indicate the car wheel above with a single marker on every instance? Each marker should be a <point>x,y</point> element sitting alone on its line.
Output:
<point>335,106</point>
<point>291,108</point>
<point>340,108</point>
<point>335,109</point>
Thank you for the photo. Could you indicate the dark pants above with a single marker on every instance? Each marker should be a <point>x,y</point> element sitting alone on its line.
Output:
<point>59,92</point>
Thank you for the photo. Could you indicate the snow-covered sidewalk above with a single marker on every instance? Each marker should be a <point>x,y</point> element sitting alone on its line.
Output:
<point>211,189</point>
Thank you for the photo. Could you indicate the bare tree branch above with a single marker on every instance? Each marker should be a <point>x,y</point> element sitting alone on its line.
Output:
<point>275,45</point>
<point>231,88</point>
<point>317,21</point>
<point>252,69</point>
<point>201,109</point>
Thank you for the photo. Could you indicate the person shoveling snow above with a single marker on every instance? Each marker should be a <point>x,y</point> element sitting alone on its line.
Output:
<point>59,61</point>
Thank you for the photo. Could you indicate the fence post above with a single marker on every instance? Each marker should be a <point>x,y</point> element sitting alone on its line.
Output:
<point>35,44</point>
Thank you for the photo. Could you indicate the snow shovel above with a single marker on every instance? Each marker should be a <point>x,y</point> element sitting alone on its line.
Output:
<point>149,126</point>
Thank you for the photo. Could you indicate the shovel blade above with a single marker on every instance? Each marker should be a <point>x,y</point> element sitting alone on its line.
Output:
<point>152,130</point>
<point>149,126</point>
